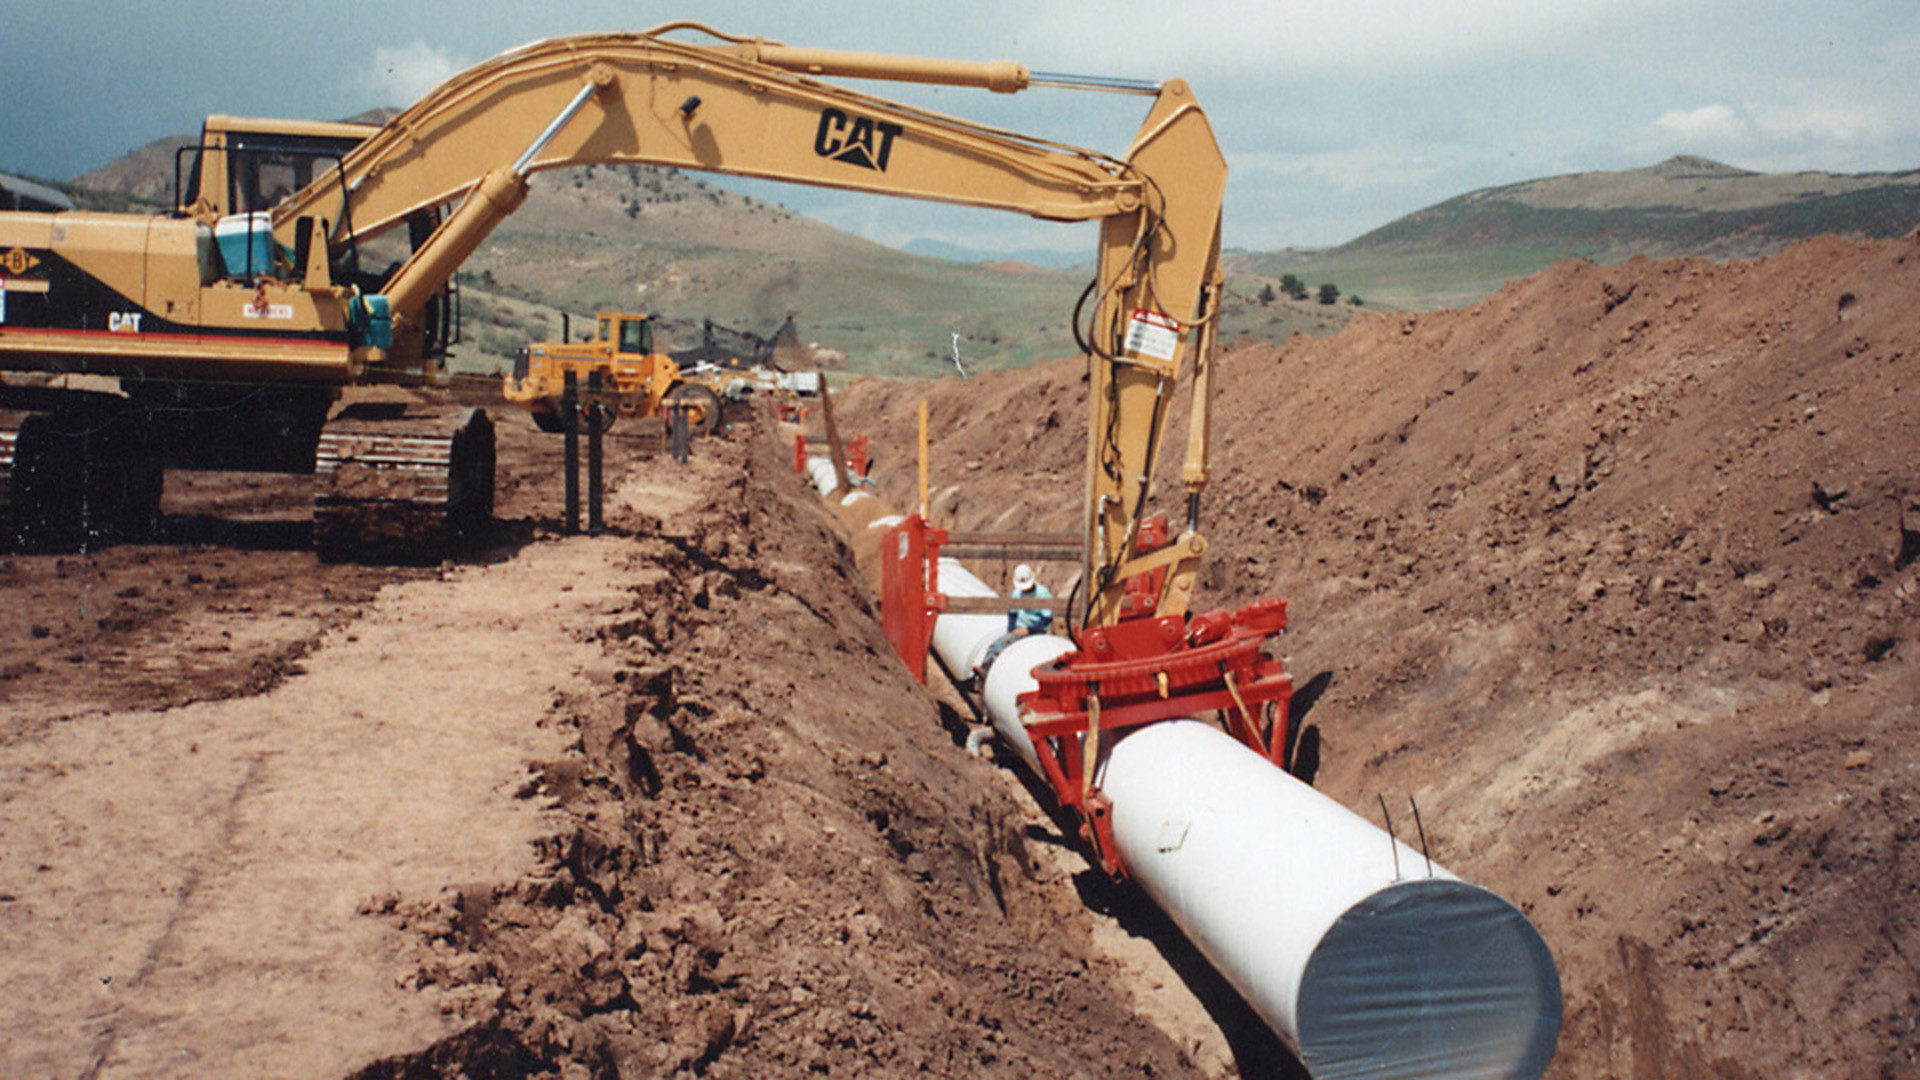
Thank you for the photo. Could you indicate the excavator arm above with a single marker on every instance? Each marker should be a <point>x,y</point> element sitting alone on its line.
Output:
<point>749,107</point>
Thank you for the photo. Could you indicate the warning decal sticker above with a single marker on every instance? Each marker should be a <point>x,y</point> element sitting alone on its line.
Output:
<point>1152,334</point>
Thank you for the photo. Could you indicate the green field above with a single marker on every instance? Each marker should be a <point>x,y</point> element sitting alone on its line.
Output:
<point>1401,281</point>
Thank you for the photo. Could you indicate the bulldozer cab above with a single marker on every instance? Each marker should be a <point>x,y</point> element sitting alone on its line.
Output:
<point>630,335</point>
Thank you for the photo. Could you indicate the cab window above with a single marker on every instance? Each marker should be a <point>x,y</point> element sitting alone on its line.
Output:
<point>635,336</point>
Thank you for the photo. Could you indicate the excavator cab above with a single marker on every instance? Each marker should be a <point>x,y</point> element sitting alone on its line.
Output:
<point>240,170</point>
<point>243,166</point>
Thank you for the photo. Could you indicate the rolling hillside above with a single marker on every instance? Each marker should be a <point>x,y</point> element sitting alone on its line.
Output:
<point>674,244</point>
<point>633,237</point>
<point>1460,250</point>
<point>1682,206</point>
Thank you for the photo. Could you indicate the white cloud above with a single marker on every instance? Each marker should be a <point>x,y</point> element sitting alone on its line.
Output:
<point>1715,125</point>
<point>1350,37</point>
<point>1339,176</point>
<point>1827,135</point>
<point>1822,124</point>
<point>403,74</point>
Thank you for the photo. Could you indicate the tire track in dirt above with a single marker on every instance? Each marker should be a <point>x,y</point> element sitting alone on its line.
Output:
<point>184,890</point>
<point>189,888</point>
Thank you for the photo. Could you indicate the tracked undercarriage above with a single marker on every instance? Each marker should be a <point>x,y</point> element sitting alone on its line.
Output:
<point>397,482</point>
<point>401,485</point>
<point>75,472</point>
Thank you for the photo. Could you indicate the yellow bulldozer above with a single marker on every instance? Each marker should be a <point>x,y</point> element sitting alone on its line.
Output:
<point>635,381</point>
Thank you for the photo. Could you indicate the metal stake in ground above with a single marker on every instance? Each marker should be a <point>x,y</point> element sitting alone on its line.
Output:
<point>570,429</point>
<point>597,418</point>
<point>679,431</point>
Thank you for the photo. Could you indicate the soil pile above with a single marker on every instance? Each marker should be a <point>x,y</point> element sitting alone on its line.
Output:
<point>779,863</point>
<point>1618,573</point>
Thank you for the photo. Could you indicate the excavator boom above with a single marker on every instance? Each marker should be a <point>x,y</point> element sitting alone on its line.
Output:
<point>722,109</point>
<point>748,107</point>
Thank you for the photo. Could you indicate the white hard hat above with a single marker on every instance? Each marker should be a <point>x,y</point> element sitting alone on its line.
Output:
<point>1022,578</point>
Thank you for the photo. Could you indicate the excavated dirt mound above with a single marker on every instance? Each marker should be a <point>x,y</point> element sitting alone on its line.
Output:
<point>779,863</point>
<point>1618,573</point>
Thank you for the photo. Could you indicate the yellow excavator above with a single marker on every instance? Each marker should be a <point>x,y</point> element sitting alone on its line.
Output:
<point>231,323</point>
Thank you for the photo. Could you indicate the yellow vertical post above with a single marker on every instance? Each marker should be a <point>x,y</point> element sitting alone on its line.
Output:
<point>923,459</point>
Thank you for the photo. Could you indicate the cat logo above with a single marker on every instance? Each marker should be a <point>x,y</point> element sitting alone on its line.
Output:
<point>856,140</point>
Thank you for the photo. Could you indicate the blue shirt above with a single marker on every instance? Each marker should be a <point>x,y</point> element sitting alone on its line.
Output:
<point>1031,621</point>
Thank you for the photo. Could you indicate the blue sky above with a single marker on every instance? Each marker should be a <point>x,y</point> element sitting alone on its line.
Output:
<point>1336,117</point>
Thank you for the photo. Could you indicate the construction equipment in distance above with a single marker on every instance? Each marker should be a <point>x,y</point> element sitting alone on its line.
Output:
<point>636,381</point>
<point>639,382</point>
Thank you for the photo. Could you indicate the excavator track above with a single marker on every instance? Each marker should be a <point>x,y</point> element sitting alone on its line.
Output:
<point>75,473</point>
<point>10,421</point>
<point>401,483</point>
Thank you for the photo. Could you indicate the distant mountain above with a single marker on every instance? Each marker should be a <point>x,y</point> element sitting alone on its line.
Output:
<point>1682,206</point>
<point>145,174</point>
<point>1455,252</point>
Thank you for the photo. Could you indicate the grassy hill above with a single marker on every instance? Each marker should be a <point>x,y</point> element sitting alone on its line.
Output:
<point>658,240</point>
<point>1462,249</point>
<point>1685,205</point>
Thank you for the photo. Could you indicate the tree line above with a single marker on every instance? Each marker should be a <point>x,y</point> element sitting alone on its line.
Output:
<point>1293,287</point>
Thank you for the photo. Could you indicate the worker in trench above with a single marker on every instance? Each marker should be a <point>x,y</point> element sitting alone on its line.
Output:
<point>1021,622</point>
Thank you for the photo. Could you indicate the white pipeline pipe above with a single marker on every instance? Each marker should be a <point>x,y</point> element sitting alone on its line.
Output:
<point>820,471</point>
<point>961,641</point>
<point>1366,960</point>
<point>1010,677</point>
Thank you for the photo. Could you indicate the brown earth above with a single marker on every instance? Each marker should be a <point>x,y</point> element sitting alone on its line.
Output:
<point>1618,573</point>
<point>653,803</point>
